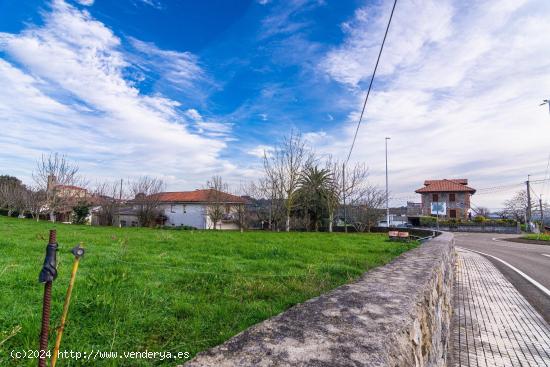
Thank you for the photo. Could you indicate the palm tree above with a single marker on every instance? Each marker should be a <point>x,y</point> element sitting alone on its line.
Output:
<point>313,192</point>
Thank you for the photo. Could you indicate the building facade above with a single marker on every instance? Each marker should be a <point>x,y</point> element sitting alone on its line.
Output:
<point>190,208</point>
<point>455,194</point>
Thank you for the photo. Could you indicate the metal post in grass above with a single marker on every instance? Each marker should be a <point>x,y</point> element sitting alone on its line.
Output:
<point>47,276</point>
<point>78,252</point>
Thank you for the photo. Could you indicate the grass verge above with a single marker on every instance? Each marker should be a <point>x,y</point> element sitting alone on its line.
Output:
<point>142,289</point>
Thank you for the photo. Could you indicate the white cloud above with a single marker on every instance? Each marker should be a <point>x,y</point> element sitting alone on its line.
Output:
<point>86,2</point>
<point>64,90</point>
<point>354,61</point>
<point>152,3</point>
<point>193,114</point>
<point>210,128</point>
<point>281,20</point>
<point>180,69</point>
<point>458,92</point>
<point>261,150</point>
<point>215,129</point>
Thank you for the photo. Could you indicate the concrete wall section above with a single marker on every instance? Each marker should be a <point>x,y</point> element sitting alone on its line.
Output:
<point>482,229</point>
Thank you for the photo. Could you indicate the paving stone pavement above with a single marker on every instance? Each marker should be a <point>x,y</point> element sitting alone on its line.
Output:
<point>493,324</point>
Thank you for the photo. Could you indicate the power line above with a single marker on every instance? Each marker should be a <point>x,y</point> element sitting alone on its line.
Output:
<point>540,181</point>
<point>501,187</point>
<point>371,81</point>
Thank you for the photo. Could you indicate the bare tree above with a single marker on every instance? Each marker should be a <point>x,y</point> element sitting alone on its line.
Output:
<point>516,207</point>
<point>147,199</point>
<point>60,180</point>
<point>261,207</point>
<point>283,168</point>
<point>34,199</point>
<point>482,211</point>
<point>107,197</point>
<point>12,196</point>
<point>350,183</point>
<point>271,186</point>
<point>367,209</point>
<point>215,208</point>
<point>246,210</point>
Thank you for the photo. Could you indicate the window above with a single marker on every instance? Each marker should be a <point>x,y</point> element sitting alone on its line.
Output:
<point>435,197</point>
<point>172,208</point>
<point>227,209</point>
<point>452,213</point>
<point>184,208</point>
<point>452,197</point>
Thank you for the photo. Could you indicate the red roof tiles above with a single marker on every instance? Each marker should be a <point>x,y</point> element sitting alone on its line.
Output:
<point>198,196</point>
<point>70,187</point>
<point>446,185</point>
<point>462,181</point>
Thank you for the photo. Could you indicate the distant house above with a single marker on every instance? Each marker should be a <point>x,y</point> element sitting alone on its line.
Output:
<point>189,208</point>
<point>65,198</point>
<point>453,194</point>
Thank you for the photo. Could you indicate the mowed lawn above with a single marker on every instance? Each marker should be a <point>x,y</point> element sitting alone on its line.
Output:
<point>168,290</point>
<point>539,237</point>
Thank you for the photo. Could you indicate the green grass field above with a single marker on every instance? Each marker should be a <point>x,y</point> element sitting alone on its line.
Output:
<point>165,290</point>
<point>540,237</point>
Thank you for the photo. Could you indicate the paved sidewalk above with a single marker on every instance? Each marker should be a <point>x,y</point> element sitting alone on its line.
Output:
<point>493,324</point>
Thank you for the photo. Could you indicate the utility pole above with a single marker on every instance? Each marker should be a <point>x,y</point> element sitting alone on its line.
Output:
<point>437,216</point>
<point>387,194</point>
<point>344,196</point>
<point>541,215</point>
<point>528,213</point>
<point>119,202</point>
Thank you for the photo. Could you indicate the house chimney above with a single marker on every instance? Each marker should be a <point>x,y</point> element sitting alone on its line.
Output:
<point>52,182</point>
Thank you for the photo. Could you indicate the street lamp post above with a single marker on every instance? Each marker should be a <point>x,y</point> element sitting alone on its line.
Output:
<point>387,194</point>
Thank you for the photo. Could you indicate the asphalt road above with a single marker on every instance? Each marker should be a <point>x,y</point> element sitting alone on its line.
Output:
<point>533,260</point>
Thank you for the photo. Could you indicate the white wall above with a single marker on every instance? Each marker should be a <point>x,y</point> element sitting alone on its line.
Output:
<point>193,215</point>
<point>185,214</point>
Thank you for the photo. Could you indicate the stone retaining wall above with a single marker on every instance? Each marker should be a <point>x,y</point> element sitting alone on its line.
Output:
<point>482,229</point>
<point>395,315</point>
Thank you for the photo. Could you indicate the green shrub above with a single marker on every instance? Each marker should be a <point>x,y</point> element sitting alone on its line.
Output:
<point>427,221</point>
<point>80,212</point>
<point>479,219</point>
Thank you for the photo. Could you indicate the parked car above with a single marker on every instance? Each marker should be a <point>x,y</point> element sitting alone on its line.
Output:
<point>405,225</point>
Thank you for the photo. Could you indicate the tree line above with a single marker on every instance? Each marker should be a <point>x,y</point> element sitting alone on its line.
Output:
<point>297,191</point>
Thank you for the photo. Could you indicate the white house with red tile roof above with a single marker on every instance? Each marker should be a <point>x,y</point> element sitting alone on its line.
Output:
<point>455,193</point>
<point>190,208</point>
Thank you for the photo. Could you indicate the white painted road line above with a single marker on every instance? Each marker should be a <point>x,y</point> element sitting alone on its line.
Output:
<point>545,255</point>
<point>527,277</point>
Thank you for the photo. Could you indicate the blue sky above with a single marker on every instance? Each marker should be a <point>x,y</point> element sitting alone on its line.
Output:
<point>188,89</point>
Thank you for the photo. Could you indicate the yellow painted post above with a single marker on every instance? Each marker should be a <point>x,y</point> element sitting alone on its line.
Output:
<point>78,252</point>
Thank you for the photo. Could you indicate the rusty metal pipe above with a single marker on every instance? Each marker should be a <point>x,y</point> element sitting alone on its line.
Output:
<point>46,303</point>
<point>47,276</point>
